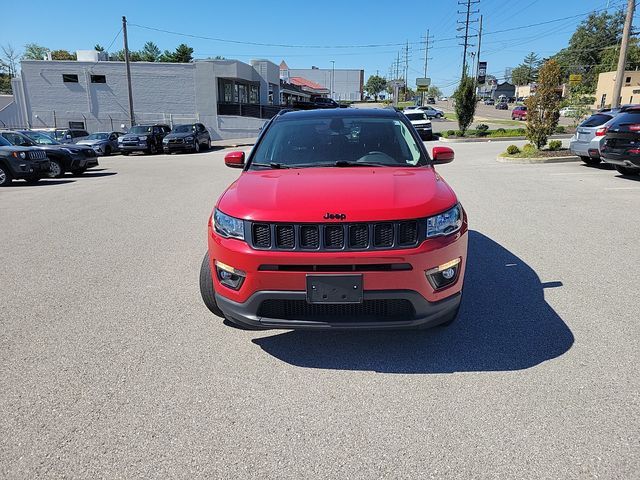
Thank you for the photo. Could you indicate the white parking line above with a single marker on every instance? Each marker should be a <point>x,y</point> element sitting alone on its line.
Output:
<point>622,188</point>
<point>576,173</point>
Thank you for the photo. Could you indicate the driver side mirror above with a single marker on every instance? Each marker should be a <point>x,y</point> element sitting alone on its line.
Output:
<point>234,159</point>
<point>442,155</point>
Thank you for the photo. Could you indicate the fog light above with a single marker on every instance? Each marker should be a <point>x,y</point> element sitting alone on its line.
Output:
<point>229,276</point>
<point>444,275</point>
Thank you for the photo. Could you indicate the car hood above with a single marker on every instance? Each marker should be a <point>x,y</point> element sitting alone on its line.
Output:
<point>91,142</point>
<point>420,122</point>
<point>180,135</point>
<point>361,193</point>
<point>134,136</point>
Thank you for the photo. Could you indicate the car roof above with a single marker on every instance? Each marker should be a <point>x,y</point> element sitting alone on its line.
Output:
<point>338,113</point>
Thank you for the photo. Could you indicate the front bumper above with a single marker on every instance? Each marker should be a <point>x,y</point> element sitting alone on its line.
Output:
<point>133,147</point>
<point>425,314</point>
<point>178,147</point>
<point>430,306</point>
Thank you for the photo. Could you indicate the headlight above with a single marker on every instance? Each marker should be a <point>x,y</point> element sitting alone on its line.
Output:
<point>188,139</point>
<point>120,139</point>
<point>19,155</point>
<point>228,226</point>
<point>445,223</point>
<point>142,138</point>
<point>165,140</point>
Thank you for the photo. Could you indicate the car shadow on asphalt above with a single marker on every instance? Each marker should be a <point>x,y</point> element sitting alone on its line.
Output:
<point>96,174</point>
<point>42,183</point>
<point>504,324</point>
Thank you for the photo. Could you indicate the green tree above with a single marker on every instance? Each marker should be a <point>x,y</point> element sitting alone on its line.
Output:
<point>62,55</point>
<point>465,98</point>
<point>589,46</point>
<point>434,92</point>
<point>33,51</point>
<point>5,84</point>
<point>150,52</point>
<point>99,48</point>
<point>527,71</point>
<point>375,85</point>
<point>182,54</point>
<point>542,108</point>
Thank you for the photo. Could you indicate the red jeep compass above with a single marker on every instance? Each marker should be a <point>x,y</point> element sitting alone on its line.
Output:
<point>338,220</point>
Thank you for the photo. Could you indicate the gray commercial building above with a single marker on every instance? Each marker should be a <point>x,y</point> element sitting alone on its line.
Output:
<point>230,97</point>
<point>342,83</point>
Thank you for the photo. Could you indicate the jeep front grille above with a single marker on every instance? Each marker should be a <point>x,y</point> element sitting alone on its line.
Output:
<point>37,155</point>
<point>336,236</point>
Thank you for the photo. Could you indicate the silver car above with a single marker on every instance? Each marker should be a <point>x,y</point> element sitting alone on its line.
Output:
<point>585,142</point>
<point>103,143</point>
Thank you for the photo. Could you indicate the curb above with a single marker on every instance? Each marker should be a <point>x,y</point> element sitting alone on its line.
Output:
<point>572,158</point>
<point>496,139</point>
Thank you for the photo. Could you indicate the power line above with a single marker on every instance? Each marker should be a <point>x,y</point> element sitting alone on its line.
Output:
<point>466,36</point>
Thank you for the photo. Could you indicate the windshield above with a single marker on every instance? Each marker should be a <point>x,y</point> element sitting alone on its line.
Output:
<point>416,116</point>
<point>141,129</point>
<point>183,129</point>
<point>325,141</point>
<point>40,138</point>
<point>98,136</point>
<point>17,139</point>
<point>4,143</point>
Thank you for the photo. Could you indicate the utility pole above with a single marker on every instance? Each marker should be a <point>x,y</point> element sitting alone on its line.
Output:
<point>128,67</point>
<point>333,76</point>
<point>622,59</point>
<point>477,65</point>
<point>406,70</point>
<point>426,60</point>
<point>466,36</point>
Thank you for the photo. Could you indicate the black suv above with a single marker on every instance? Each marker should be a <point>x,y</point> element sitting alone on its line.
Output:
<point>621,146</point>
<point>64,157</point>
<point>143,138</point>
<point>188,137</point>
<point>30,164</point>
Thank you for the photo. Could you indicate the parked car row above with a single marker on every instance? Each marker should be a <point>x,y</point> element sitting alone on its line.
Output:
<point>612,136</point>
<point>155,138</point>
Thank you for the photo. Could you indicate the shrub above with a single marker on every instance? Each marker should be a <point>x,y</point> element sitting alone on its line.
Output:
<point>560,129</point>
<point>459,133</point>
<point>512,149</point>
<point>555,145</point>
<point>450,133</point>
<point>521,131</point>
<point>501,130</point>
<point>482,127</point>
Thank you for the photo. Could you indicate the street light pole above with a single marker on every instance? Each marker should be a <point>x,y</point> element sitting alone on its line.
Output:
<point>128,68</point>
<point>333,76</point>
<point>622,59</point>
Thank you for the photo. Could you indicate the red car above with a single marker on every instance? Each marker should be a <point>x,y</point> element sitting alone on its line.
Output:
<point>519,113</point>
<point>338,220</point>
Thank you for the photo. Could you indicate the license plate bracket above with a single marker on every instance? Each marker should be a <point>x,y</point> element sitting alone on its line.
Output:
<point>334,288</point>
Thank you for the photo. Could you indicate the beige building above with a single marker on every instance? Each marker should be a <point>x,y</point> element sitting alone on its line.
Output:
<point>630,88</point>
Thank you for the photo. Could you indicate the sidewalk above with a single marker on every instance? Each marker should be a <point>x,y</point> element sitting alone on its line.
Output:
<point>233,142</point>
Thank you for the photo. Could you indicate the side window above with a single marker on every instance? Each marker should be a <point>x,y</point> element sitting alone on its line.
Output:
<point>113,136</point>
<point>410,142</point>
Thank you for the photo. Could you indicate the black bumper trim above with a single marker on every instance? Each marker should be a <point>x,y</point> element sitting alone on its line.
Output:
<point>427,313</point>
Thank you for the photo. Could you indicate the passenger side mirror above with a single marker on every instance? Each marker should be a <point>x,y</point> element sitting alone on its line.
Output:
<point>442,155</point>
<point>234,159</point>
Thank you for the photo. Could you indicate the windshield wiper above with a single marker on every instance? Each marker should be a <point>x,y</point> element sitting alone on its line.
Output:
<point>346,163</point>
<point>273,165</point>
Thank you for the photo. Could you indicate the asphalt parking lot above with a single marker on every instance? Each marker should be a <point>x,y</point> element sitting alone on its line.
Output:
<point>113,368</point>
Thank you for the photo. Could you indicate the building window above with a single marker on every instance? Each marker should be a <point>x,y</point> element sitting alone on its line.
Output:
<point>98,79</point>
<point>242,93</point>
<point>631,99</point>
<point>627,80</point>
<point>603,100</point>
<point>254,94</point>
<point>69,78</point>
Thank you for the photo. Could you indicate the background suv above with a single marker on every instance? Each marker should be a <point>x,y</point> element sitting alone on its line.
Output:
<point>187,137</point>
<point>143,138</point>
<point>519,113</point>
<point>338,220</point>
<point>63,157</point>
<point>24,163</point>
<point>621,146</point>
<point>103,143</point>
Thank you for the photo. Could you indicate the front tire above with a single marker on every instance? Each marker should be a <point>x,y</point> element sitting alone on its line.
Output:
<point>55,169</point>
<point>196,146</point>
<point>592,162</point>
<point>5,177</point>
<point>206,287</point>
<point>627,170</point>
<point>152,149</point>
<point>107,151</point>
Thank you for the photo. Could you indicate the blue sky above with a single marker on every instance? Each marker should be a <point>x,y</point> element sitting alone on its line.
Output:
<point>295,29</point>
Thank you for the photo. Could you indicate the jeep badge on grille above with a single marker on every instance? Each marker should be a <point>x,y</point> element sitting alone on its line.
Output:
<point>334,216</point>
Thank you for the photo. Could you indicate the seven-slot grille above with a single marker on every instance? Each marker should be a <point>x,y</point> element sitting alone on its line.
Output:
<point>37,155</point>
<point>336,236</point>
